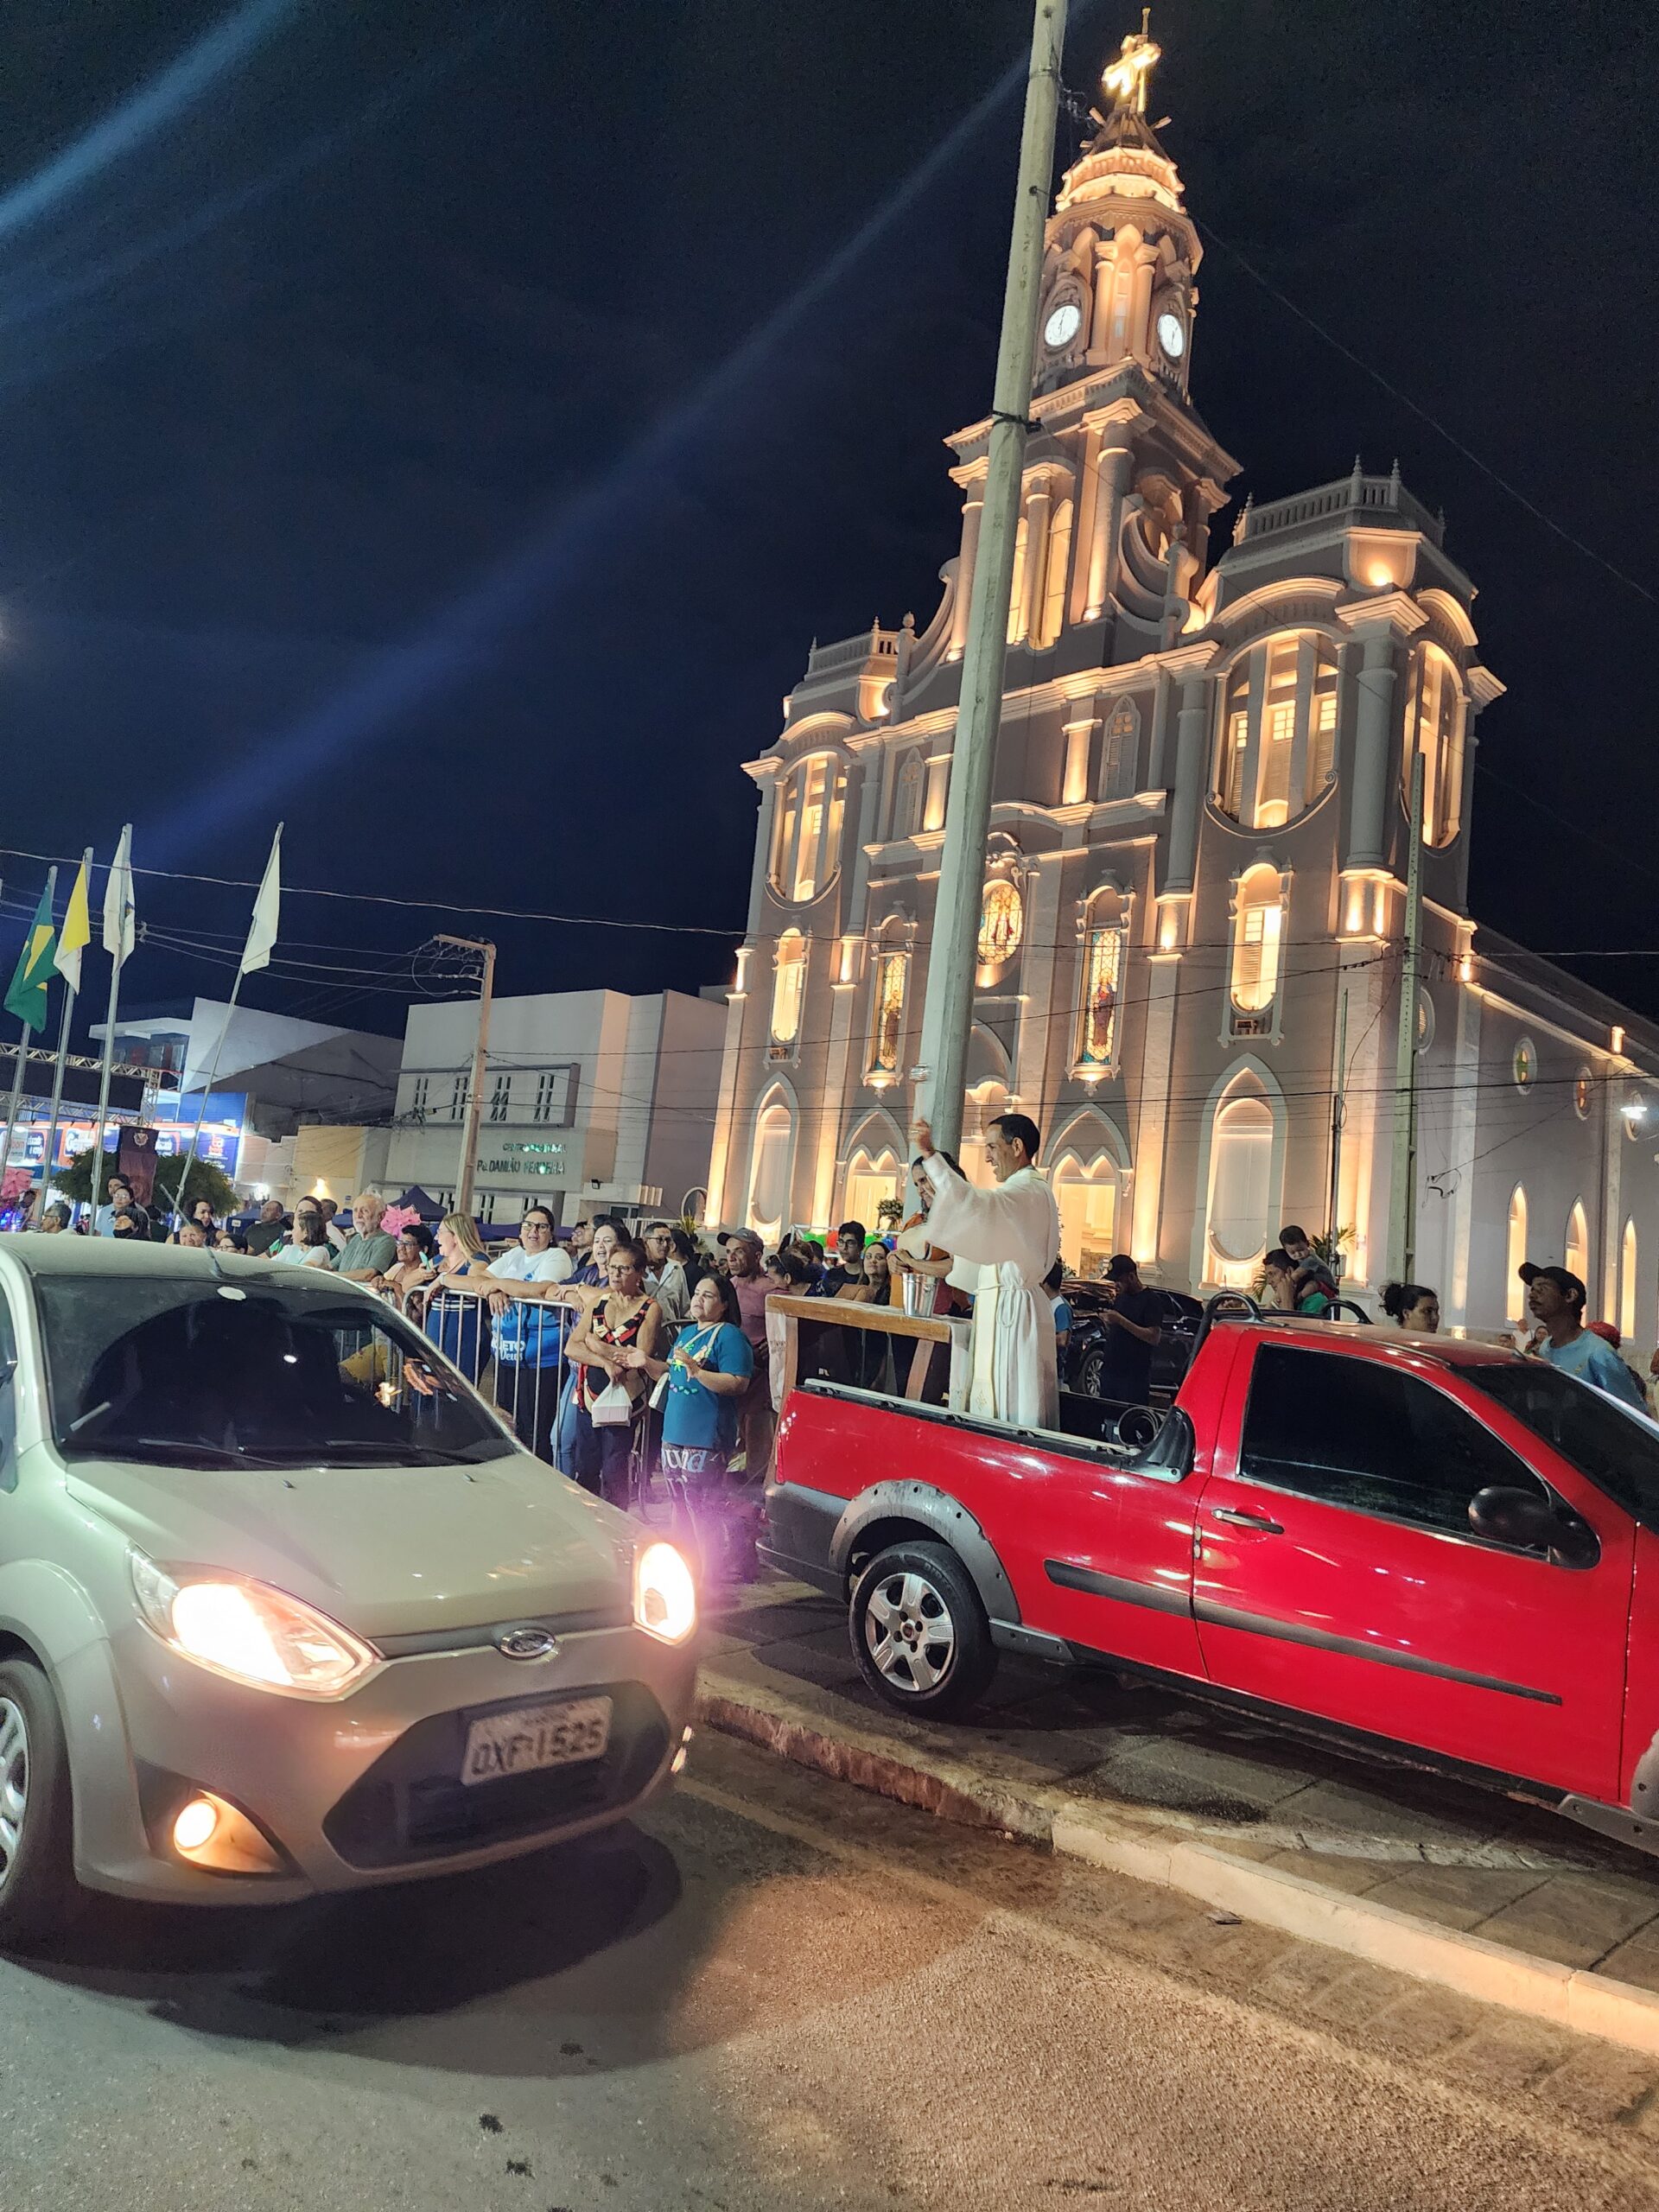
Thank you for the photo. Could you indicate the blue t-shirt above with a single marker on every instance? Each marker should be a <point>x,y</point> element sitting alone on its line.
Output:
<point>1592,1359</point>
<point>1062,1317</point>
<point>704,1420</point>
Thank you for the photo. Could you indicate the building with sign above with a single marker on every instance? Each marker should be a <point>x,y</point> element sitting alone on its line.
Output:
<point>1192,921</point>
<point>591,1099</point>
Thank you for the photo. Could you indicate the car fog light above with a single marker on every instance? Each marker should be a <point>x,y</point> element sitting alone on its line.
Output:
<point>195,1824</point>
<point>211,1833</point>
<point>665,1595</point>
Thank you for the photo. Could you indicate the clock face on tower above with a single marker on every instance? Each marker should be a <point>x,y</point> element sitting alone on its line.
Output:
<point>1062,324</point>
<point>1172,334</point>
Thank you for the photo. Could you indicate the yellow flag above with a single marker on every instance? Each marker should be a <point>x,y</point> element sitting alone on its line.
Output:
<point>76,932</point>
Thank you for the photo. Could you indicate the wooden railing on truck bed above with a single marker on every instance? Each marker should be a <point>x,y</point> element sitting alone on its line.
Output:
<point>925,1331</point>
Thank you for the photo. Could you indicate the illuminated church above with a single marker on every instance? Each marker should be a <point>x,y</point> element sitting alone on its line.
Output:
<point>1191,933</point>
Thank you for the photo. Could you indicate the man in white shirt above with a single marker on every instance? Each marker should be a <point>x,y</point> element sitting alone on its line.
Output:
<point>1014,1232</point>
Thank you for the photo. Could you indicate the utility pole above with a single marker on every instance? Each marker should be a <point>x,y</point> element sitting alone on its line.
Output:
<point>948,1008</point>
<point>1402,1182</point>
<point>475,1095</point>
<point>1339,1116</point>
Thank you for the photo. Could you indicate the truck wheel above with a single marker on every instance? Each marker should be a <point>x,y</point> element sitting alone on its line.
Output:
<point>919,1631</point>
<point>37,1881</point>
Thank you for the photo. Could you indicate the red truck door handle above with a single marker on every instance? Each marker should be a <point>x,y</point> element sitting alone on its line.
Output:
<point>1237,1518</point>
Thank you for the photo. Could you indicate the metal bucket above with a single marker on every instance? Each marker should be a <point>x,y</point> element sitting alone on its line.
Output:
<point>921,1293</point>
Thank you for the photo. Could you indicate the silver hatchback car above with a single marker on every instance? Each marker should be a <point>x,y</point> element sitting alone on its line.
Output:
<point>284,1607</point>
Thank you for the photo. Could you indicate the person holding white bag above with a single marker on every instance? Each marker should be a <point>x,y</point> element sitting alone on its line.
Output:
<point>610,1393</point>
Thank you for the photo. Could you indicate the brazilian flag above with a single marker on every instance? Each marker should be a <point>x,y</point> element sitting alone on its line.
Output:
<point>27,997</point>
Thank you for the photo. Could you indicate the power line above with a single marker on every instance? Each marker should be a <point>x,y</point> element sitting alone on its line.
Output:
<point>1502,482</point>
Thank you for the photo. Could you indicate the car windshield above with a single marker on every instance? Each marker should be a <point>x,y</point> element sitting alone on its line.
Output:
<point>213,1374</point>
<point>1613,1446</point>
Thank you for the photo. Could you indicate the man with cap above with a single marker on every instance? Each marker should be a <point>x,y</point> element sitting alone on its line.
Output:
<point>1131,1330</point>
<point>1556,1300</point>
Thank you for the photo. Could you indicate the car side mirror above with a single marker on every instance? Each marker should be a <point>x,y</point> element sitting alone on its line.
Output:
<point>1520,1518</point>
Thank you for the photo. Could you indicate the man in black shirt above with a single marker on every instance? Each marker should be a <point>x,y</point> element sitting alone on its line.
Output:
<point>269,1230</point>
<point>849,1266</point>
<point>1131,1330</point>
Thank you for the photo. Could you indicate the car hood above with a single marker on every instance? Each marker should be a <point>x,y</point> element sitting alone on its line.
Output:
<point>386,1551</point>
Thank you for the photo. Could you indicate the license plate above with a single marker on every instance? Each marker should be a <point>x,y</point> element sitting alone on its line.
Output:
<point>536,1736</point>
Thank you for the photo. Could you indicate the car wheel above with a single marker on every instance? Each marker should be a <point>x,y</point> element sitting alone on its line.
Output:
<point>37,1878</point>
<point>1088,1373</point>
<point>919,1631</point>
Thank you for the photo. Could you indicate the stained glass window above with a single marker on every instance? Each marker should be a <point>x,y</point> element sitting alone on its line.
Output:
<point>1002,923</point>
<point>1102,964</point>
<point>887,1029</point>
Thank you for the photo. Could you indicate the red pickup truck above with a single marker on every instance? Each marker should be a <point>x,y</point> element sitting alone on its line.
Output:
<point>1435,1543</point>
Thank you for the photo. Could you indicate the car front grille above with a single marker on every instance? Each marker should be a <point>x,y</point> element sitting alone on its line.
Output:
<point>412,1804</point>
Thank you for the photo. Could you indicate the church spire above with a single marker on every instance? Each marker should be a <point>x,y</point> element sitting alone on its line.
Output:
<point>1124,81</point>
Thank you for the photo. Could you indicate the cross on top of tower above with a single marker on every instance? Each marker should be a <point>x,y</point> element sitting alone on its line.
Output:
<point>1124,81</point>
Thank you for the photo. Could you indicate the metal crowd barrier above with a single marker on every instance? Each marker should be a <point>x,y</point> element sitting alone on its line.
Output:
<point>514,1351</point>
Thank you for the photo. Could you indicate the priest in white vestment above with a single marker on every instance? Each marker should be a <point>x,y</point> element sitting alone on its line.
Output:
<point>1014,1233</point>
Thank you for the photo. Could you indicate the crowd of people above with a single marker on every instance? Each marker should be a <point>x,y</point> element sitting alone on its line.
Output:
<point>584,1342</point>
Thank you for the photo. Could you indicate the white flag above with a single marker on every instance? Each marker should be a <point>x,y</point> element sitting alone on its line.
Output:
<point>119,934</point>
<point>262,933</point>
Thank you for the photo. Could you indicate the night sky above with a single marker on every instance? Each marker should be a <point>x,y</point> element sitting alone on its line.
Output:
<point>446,427</point>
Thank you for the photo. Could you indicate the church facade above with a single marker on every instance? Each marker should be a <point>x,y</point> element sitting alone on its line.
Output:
<point>1192,932</point>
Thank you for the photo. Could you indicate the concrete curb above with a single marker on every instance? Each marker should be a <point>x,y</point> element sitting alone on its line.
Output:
<point>1090,1829</point>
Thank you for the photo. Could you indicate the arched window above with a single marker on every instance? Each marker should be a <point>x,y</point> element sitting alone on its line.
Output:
<point>1627,1281</point>
<point>1578,1243</point>
<point>806,829</point>
<point>774,1159</point>
<point>888,1013</point>
<point>1275,745</point>
<point>1087,1199</point>
<point>1437,724</point>
<point>1516,1252</point>
<point>869,1182</point>
<point>1017,596</point>
<point>1057,563</point>
<point>907,797</point>
<point>1241,1180</point>
<point>1120,750</point>
<point>1102,982</point>
<point>1257,927</point>
<point>788,984</point>
<point>1002,923</point>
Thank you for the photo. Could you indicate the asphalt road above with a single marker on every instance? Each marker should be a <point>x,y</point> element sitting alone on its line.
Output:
<point>779,1993</point>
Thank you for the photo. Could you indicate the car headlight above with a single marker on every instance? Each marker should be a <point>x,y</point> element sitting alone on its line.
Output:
<point>236,1626</point>
<point>665,1595</point>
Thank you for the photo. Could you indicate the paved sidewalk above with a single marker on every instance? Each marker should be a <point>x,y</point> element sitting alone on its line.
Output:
<point>1504,1900</point>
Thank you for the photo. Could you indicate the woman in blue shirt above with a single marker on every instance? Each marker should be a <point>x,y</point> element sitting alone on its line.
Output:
<point>708,1370</point>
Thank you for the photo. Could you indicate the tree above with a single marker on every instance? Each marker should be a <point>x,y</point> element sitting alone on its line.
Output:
<point>207,1181</point>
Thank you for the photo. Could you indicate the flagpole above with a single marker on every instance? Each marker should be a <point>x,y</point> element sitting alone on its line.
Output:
<point>16,1100</point>
<point>70,994</point>
<point>206,1089</point>
<point>262,935</point>
<point>22,1062</point>
<point>118,954</point>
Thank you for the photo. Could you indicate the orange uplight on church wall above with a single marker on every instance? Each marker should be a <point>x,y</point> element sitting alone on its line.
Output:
<point>1379,574</point>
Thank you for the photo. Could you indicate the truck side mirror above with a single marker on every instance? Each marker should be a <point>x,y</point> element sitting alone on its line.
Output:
<point>1520,1518</point>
